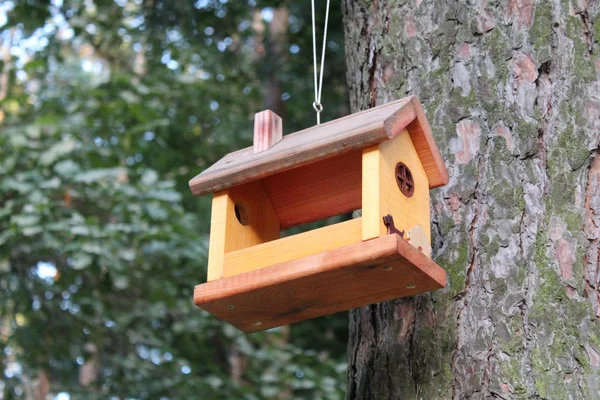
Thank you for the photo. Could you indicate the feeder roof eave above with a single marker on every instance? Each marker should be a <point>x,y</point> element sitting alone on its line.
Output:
<point>353,132</point>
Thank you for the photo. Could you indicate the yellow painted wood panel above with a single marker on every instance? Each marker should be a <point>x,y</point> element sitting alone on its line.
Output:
<point>370,193</point>
<point>408,212</point>
<point>228,234</point>
<point>263,224</point>
<point>216,247</point>
<point>381,195</point>
<point>292,247</point>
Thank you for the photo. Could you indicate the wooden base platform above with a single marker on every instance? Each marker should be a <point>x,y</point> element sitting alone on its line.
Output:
<point>356,275</point>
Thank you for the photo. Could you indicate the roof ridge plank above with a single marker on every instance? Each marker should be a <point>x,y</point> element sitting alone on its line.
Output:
<point>353,132</point>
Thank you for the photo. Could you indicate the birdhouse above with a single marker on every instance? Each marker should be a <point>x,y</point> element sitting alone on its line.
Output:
<point>382,161</point>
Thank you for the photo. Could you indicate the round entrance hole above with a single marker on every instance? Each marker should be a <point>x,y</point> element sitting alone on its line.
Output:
<point>242,213</point>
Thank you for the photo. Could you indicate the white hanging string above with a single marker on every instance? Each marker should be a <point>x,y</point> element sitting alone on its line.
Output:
<point>318,89</point>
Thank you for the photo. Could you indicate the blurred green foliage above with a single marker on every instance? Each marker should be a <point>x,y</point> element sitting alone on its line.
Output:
<point>107,109</point>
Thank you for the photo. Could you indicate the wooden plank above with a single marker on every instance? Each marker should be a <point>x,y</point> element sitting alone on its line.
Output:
<point>317,190</point>
<point>370,193</point>
<point>228,234</point>
<point>353,132</point>
<point>424,142</point>
<point>218,222</point>
<point>352,276</point>
<point>292,247</point>
<point>381,195</point>
<point>268,130</point>
<point>416,237</point>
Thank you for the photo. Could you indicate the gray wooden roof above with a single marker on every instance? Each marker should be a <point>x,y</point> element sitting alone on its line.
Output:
<point>353,132</point>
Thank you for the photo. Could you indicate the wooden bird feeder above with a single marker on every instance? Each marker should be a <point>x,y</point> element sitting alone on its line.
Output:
<point>383,161</point>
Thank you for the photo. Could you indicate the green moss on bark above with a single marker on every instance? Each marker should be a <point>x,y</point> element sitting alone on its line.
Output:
<point>541,32</point>
<point>456,270</point>
<point>570,144</point>
<point>583,65</point>
<point>499,49</point>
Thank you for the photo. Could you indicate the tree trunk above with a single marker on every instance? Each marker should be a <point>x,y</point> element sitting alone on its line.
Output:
<point>512,92</point>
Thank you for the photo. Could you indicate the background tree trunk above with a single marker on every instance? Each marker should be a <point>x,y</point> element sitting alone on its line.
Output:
<point>512,91</point>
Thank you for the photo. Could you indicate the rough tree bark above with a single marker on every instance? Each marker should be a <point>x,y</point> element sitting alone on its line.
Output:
<point>512,91</point>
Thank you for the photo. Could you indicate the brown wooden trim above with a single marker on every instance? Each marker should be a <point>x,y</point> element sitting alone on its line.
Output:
<point>351,276</point>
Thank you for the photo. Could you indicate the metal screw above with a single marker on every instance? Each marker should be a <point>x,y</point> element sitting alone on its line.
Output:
<point>257,323</point>
<point>411,286</point>
<point>231,307</point>
<point>387,268</point>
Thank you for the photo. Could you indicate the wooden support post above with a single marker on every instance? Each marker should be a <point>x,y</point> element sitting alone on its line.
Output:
<point>268,130</point>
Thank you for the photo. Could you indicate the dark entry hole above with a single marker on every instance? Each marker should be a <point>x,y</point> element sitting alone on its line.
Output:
<point>242,213</point>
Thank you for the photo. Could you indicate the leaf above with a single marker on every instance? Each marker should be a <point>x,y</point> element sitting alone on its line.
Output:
<point>58,150</point>
<point>214,381</point>
<point>66,167</point>
<point>8,163</point>
<point>18,140</point>
<point>51,184</point>
<point>269,391</point>
<point>124,228</point>
<point>80,230</point>
<point>95,175</point>
<point>18,185</point>
<point>32,230</point>
<point>25,220</point>
<point>4,236</point>
<point>130,97</point>
<point>92,248</point>
<point>80,261</point>
<point>33,131</point>
<point>165,195</point>
<point>127,254</point>
<point>149,177</point>
<point>121,282</point>
<point>156,212</point>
